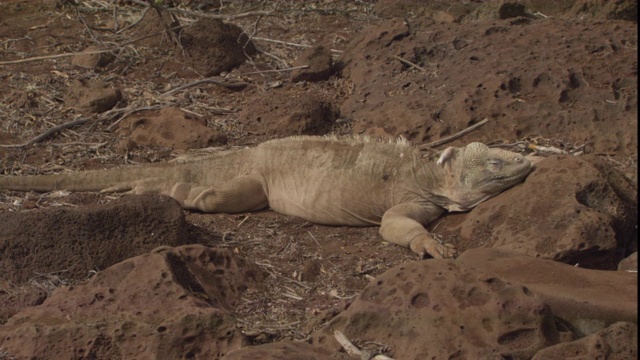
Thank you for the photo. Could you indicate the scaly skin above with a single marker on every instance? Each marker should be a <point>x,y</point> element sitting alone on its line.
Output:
<point>352,181</point>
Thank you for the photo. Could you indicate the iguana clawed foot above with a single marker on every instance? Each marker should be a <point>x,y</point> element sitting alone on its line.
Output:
<point>437,249</point>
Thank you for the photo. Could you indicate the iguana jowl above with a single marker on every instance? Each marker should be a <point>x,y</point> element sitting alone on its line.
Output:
<point>327,180</point>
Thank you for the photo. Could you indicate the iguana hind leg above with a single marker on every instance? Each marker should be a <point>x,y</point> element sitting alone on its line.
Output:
<point>244,193</point>
<point>403,225</point>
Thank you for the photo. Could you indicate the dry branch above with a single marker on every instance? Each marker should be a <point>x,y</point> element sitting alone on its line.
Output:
<point>454,136</point>
<point>55,56</point>
<point>407,62</point>
<point>50,132</point>
<point>275,71</point>
<point>127,111</point>
<point>228,85</point>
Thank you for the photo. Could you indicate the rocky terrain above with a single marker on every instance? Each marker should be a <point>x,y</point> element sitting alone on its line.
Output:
<point>547,269</point>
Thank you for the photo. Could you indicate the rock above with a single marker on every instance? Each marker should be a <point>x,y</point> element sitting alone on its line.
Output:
<point>92,96</point>
<point>589,300</point>
<point>320,63</point>
<point>86,239</point>
<point>617,342</point>
<point>284,350</point>
<point>171,304</point>
<point>578,210</point>
<point>630,263</point>
<point>92,61</point>
<point>170,127</point>
<point>444,309</point>
<point>288,111</point>
<point>213,46</point>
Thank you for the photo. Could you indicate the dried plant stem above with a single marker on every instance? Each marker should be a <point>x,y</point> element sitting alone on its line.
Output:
<point>454,136</point>
<point>407,62</point>
<point>228,85</point>
<point>50,132</point>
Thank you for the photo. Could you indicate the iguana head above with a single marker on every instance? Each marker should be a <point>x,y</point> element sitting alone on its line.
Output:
<point>479,172</point>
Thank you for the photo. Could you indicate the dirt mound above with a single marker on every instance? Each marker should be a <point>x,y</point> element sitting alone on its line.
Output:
<point>212,46</point>
<point>570,209</point>
<point>544,77</point>
<point>292,111</point>
<point>319,65</point>
<point>170,304</point>
<point>168,127</point>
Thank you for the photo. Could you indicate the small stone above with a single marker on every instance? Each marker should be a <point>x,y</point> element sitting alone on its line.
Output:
<point>320,63</point>
<point>92,60</point>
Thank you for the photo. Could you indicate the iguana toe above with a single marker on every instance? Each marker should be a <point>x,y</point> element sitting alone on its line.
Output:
<point>434,248</point>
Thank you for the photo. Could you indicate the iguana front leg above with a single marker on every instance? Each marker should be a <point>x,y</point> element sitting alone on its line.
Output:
<point>244,193</point>
<point>403,225</point>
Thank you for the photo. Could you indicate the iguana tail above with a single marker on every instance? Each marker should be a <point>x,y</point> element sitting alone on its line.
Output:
<point>92,180</point>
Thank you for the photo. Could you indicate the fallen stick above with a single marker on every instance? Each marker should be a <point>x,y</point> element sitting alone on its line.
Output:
<point>289,43</point>
<point>50,132</point>
<point>56,56</point>
<point>81,121</point>
<point>274,71</point>
<point>407,62</point>
<point>454,136</point>
<point>232,86</point>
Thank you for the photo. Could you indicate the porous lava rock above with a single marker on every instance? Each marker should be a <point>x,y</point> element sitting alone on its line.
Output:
<point>169,304</point>
<point>588,300</point>
<point>577,210</point>
<point>630,263</point>
<point>443,309</point>
<point>617,342</point>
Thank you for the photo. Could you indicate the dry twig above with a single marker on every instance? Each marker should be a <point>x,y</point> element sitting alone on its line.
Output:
<point>276,70</point>
<point>228,85</point>
<point>407,62</point>
<point>454,136</point>
<point>50,132</point>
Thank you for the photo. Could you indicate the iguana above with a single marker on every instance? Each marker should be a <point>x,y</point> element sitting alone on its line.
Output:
<point>355,181</point>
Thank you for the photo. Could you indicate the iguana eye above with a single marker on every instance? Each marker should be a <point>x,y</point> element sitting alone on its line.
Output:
<point>496,163</point>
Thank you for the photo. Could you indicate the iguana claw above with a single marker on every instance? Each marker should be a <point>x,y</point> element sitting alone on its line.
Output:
<point>435,248</point>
